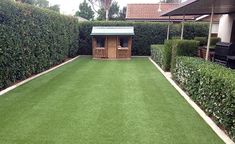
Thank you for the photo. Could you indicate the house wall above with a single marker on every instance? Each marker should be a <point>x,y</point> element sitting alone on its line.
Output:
<point>215,28</point>
<point>225,27</point>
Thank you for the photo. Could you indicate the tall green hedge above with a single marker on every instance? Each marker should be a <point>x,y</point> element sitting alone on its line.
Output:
<point>157,54</point>
<point>211,86</point>
<point>146,33</point>
<point>32,40</point>
<point>165,55</point>
<point>203,41</point>
<point>183,48</point>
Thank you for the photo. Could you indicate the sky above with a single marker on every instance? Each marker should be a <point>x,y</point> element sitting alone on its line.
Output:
<point>69,7</point>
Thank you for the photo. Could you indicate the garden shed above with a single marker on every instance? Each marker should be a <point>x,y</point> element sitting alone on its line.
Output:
<point>112,42</point>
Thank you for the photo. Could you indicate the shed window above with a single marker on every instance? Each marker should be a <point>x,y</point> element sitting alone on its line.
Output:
<point>100,42</point>
<point>123,41</point>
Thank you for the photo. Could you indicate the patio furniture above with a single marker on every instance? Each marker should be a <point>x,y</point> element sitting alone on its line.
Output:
<point>231,62</point>
<point>224,54</point>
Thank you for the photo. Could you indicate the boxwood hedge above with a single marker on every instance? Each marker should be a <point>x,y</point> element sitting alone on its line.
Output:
<point>211,86</point>
<point>165,55</point>
<point>203,41</point>
<point>157,54</point>
<point>146,33</point>
<point>32,40</point>
<point>183,48</point>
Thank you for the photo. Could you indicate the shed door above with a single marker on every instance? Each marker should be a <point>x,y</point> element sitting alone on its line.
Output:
<point>112,46</point>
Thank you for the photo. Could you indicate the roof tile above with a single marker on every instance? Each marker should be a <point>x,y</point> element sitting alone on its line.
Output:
<point>150,11</point>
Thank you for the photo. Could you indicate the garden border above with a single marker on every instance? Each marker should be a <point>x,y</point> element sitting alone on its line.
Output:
<point>207,119</point>
<point>35,76</point>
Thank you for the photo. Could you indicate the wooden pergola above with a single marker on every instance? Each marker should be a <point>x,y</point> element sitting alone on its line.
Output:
<point>201,7</point>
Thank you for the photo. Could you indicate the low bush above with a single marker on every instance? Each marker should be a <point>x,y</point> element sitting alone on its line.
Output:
<point>183,48</point>
<point>214,40</point>
<point>32,40</point>
<point>157,54</point>
<point>146,34</point>
<point>176,38</point>
<point>202,40</point>
<point>211,86</point>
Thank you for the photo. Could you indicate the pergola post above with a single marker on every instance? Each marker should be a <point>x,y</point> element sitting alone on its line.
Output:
<point>168,29</point>
<point>182,28</point>
<point>209,35</point>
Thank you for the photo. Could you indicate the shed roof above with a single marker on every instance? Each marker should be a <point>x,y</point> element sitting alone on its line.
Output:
<point>112,30</point>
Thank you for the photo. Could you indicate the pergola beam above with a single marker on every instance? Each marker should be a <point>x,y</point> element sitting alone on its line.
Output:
<point>182,28</point>
<point>209,34</point>
<point>168,28</point>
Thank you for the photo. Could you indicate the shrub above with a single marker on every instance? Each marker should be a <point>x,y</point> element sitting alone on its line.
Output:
<point>202,40</point>
<point>192,30</point>
<point>211,86</point>
<point>181,48</point>
<point>176,38</point>
<point>146,33</point>
<point>167,55</point>
<point>32,40</point>
<point>214,40</point>
<point>157,54</point>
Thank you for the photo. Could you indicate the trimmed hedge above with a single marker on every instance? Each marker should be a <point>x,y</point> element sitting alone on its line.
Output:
<point>167,54</point>
<point>164,55</point>
<point>32,40</point>
<point>183,48</point>
<point>211,86</point>
<point>203,40</point>
<point>214,40</point>
<point>146,33</point>
<point>157,54</point>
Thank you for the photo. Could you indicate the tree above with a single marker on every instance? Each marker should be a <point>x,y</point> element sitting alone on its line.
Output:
<point>122,14</point>
<point>113,12</point>
<point>103,5</point>
<point>28,1</point>
<point>85,11</point>
<point>42,3</point>
<point>55,8</point>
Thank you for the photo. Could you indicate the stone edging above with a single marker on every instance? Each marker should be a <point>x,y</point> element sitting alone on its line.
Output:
<point>33,77</point>
<point>207,119</point>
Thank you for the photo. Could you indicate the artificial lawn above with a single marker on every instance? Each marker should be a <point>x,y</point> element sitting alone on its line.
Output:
<point>101,102</point>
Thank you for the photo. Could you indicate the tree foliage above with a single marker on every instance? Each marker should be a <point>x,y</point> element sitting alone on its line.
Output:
<point>114,13</point>
<point>122,14</point>
<point>55,8</point>
<point>42,4</point>
<point>28,1</point>
<point>85,11</point>
<point>104,5</point>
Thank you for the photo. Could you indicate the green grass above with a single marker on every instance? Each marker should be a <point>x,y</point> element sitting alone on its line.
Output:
<point>101,102</point>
